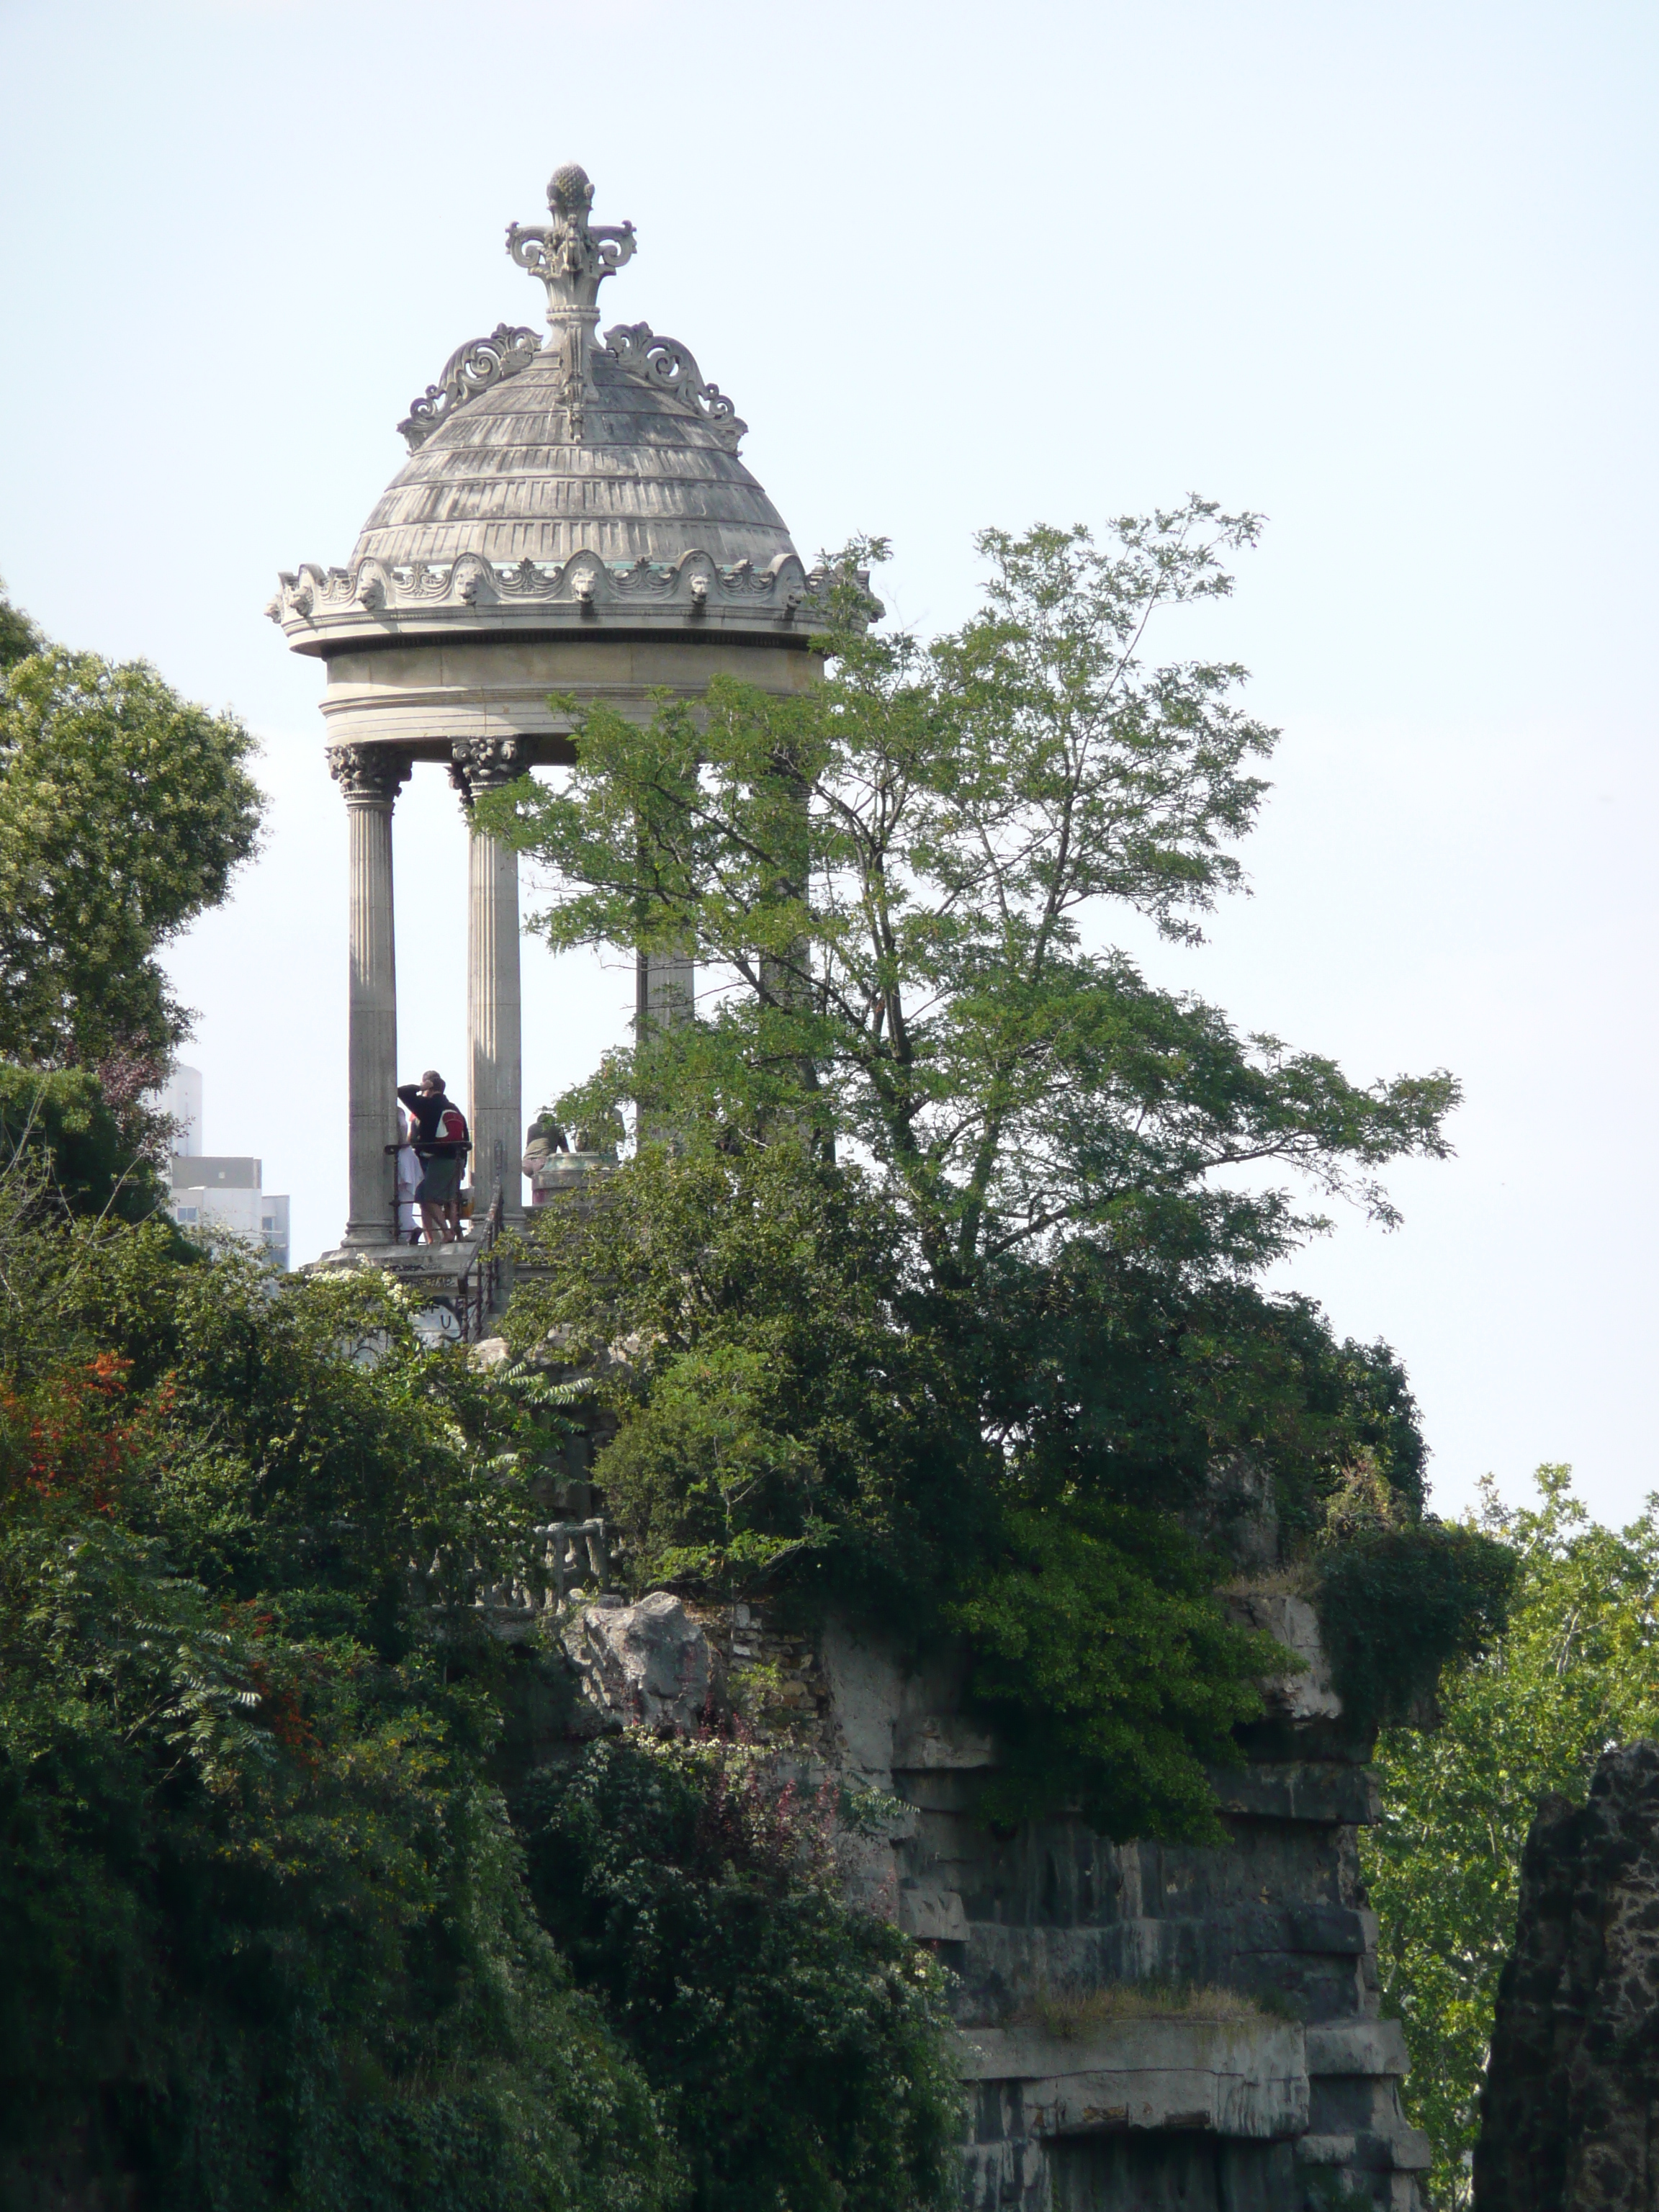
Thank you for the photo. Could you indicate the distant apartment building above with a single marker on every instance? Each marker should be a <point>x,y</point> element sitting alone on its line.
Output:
<point>218,1190</point>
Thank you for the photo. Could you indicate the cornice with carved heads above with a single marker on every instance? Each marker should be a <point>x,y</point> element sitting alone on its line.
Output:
<point>316,606</point>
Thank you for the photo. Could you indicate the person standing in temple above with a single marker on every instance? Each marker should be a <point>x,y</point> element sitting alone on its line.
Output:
<point>409,1180</point>
<point>441,1144</point>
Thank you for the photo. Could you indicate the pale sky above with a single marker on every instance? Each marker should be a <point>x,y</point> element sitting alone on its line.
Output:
<point>1384,273</point>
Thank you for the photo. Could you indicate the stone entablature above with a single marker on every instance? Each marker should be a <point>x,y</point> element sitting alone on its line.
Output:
<point>326,610</point>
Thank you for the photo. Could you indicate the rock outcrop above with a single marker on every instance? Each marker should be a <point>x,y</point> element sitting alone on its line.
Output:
<point>1160,2026</point>
<point>1247,2068</point>
<point>1570,2112</point>
<point>647,1665</point>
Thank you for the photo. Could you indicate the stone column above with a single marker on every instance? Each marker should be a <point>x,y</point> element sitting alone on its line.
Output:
<point>664,991</point>
<point>665,995</point>
<point>493,1013</point>
<point>369,777</point>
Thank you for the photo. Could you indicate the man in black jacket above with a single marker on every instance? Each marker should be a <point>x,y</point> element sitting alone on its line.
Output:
<point>441,1144</point>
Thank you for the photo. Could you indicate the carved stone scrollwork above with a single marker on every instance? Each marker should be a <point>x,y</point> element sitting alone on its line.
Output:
<point>645,579</point>
<point>745,581</point>
<point>523,580</point>
<point>471,369</point>
<point>667,366</point>
<point>369,775</point>
<point>485,764</point>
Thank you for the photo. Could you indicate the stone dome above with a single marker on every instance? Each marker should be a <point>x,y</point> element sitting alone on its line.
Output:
<point>563,482</point>
<point>648,479</point>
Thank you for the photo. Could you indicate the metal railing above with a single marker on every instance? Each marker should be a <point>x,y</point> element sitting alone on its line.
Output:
<point>477,1292</point>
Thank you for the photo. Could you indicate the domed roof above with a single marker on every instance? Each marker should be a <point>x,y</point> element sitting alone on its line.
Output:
<point>649,478</point>
<point>564,479</point>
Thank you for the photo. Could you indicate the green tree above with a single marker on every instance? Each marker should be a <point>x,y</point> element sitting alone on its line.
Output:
<point>267,1933</point>
<point>1573,1672</point>
<point>943,1298</point>
<point>90,1157</point>
<point>124,812</point>
<point>888,879</point>
<point>18,637</point>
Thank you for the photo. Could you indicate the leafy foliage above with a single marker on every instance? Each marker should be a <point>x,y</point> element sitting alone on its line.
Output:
<point>1118,1374</point>
<point>59,1122</point>
<point>267,1935</point>
<point>124,811</point>
<point>798,2044</point>
<point>777,1418</point>
<point>1098,1645</point>
<point>1397,1606</point>
<point>886,879</point>
<point>1573,1673</point>
<point>794,1413</point>
<point>19,636</point>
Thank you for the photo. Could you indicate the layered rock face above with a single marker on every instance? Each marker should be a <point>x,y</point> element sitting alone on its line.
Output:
<point>1570,2119</point>
<point>1144,2024</point>
<point>1151,2024</point>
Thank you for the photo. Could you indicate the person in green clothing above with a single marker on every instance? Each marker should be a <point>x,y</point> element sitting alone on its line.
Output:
<point>441,1144</point>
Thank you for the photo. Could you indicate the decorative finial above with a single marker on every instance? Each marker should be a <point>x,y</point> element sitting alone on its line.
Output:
<point>573,258</point>
<point>570,187</point>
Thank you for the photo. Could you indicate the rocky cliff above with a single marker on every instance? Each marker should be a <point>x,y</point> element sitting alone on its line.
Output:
<point>1142,2025</point>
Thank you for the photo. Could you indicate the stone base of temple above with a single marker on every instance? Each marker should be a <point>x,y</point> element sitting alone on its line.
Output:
<point>462,1289</point>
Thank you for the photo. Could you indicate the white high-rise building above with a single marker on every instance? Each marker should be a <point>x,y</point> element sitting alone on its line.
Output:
<point>181,1101</point>
<point>218,1190</point>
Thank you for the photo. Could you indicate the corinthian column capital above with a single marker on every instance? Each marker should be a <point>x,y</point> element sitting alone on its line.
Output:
<point>485,764</point>
<point>369,775</point>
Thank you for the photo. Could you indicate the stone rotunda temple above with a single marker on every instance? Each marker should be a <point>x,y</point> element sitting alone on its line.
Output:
<point>574,518</point>
<point>1145,2026</point>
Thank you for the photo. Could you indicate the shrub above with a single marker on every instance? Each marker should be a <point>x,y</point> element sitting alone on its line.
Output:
<point>798,2044</point>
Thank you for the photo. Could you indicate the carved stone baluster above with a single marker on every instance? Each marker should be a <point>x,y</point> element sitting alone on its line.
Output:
<point>369,777</point>
<point>494,1019</point>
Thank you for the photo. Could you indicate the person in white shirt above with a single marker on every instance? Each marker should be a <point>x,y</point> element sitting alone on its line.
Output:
<point>409,1177</point>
